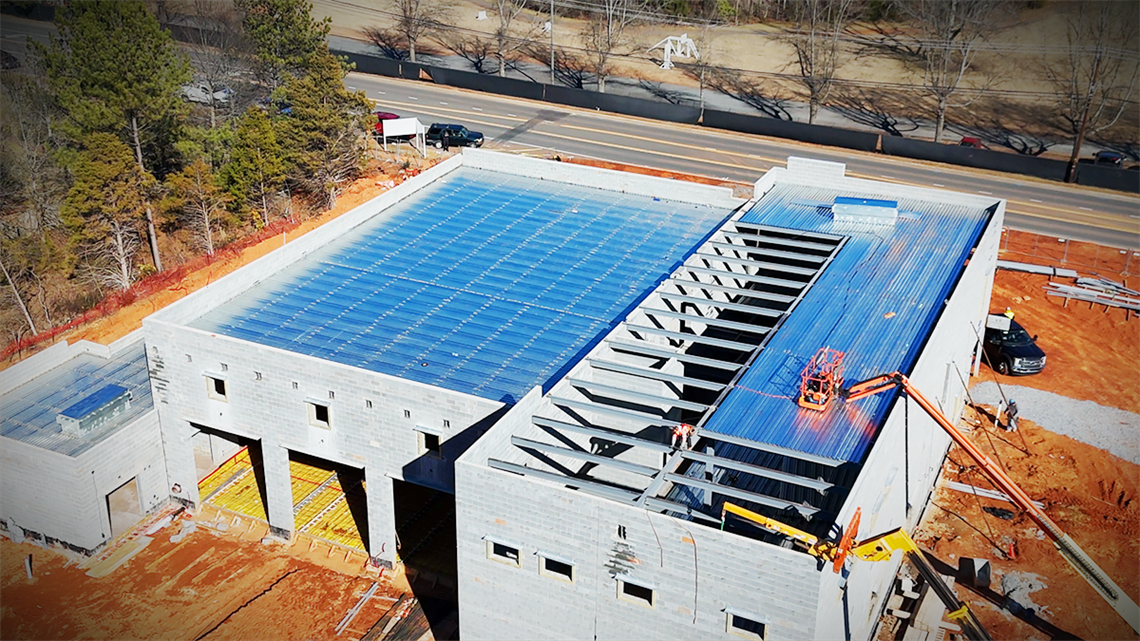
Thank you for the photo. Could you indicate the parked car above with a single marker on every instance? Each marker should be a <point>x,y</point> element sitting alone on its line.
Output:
<point>381,116</point>
<point>1109,158</point>
<point>460,135</point>
<point>275,106</point>
<point>970,141</point>
<point>1012,350</point>
<point>200,94</point>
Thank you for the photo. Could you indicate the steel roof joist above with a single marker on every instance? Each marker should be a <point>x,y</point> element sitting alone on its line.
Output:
<point>627,414</point>
<point>725,289</point>
<point>619,393</point>
<point>708,320</point>
<point>773,449</point>
<point>692,338</point>
<point>665,505</point>
<point>828,238</point>
<point>642,348</point>
<point>756,470</point>
<point>774,253</point>
<point>597,459</point>
<point>758,264</point>
<point>744,495</point>
<point>783,242</point>
<point>654,374</point>
<point>740,307</point>
<point>599,432</point>
<point>585,485</point>
<point>751,278</point>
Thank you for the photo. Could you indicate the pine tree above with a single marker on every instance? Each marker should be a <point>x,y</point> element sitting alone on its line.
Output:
<point>285,35</point>
<point>323,139</point>
<point>255,170</point>
<point>113,69</point>
<point>104,208</point>
<point>194,193</point>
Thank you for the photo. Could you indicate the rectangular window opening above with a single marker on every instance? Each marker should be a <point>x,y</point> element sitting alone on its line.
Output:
<point>294,384</point>
<point>556,569</point>
<point>332,395</point>
<point>216,388</point>
<point>257,376</point>
<point>746,627</point>
<point>407,413</point>
<point>319,415</point>
<point>430,444</point>
<point>368,404</point>
<point>636,593</point>
<point>225,368</point>
<point>503,553</point>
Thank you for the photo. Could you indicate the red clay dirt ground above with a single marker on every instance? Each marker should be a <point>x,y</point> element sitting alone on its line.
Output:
<point>209,586</point>
<point>1093,355</point>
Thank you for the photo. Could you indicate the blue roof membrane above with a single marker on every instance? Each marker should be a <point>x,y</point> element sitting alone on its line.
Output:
<point>877,301</point>
<point>94,401</point>
<point>29,411</point>
<point>483,282</point>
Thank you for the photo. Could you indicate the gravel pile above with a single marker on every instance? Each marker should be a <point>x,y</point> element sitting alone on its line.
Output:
<point>1108,428</point>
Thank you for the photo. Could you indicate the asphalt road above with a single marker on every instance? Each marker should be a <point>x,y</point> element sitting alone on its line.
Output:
<point>1070,212</point>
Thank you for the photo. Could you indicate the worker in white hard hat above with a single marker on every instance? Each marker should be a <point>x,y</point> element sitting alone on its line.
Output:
<point>1008,313</point>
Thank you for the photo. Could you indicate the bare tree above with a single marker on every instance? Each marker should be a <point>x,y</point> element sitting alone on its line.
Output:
<point>417,18</point>
<point>605,34</point>
<point>1096,80</point>
<point>472,48</point>
<point>878,109</point>
<point>220,52</point>
<point>815,36</point>
<point>507,44</point>
<point>112,262</point>
<point>391,43</point>
<point>950,33</point>
<point>19,299</point>
<point>757,94</point>
<point>570,68</point>
<point>197,196</point>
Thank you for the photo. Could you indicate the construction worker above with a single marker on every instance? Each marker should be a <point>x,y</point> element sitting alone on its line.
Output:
<point>1008,313</point>
<point>1011,416</point>
<point>683,435</point>
<point>446,139</point>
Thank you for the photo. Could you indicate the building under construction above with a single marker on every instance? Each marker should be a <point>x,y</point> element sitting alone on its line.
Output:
<point>526,335</point>
<point>580,516</point>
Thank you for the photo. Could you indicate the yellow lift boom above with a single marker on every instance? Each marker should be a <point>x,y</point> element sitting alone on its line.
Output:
<point>876,548</point>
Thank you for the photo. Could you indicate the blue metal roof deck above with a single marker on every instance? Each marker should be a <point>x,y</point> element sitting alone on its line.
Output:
<point>29,411</point>
<point>483,282</point>
<point>877,301</point>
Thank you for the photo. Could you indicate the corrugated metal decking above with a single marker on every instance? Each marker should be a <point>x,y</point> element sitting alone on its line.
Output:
<point>877,301</point>
<point>484,283</point>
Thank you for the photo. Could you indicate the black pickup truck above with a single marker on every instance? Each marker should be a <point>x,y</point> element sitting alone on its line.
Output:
<point>1013,350</point>
<point>458,134</point>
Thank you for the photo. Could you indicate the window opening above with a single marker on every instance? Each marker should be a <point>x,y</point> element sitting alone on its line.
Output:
<point>430,444</point>
<point>556,569</point>
<point>319,415</point>
<point>216,388</point>
<point>503,553</point>
<point>745,627</point>
<point>635,593</point>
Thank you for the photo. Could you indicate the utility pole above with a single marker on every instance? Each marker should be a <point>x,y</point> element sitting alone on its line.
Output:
<point>552,42</point>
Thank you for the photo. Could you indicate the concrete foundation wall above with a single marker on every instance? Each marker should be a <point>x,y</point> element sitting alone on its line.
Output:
<point>697,573</point>
<point>66,498</point>
<point>383,439</point>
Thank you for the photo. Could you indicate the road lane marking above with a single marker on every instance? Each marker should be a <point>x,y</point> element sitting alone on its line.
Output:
<point>442,102</point>
<point>1035,200</point>
<point>888,177</point>
<point>512,115</point>
<point>476,109</point>
<point>1084,208</point>
<point>988,193</point>
<point>938,184</point>
<point>412,98</point>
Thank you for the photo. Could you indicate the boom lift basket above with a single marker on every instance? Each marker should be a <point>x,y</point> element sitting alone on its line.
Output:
<point>821,379</point>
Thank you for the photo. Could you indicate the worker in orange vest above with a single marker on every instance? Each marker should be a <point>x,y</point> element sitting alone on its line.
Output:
<point>683,434</point>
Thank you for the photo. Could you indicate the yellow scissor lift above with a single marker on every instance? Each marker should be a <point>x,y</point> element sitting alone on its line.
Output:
<point>320,508</point>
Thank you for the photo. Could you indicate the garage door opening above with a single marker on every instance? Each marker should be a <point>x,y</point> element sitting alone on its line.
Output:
<point>329,501</point>
<point>124,507</point>
<point>237,482</point>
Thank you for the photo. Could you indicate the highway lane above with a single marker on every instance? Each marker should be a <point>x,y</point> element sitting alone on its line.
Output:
<point>1065,211</point>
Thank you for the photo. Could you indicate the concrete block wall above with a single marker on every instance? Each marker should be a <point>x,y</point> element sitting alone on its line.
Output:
<point>613,180</point>
<point>908,454</point>
<point>697,573</point>
<point>273,410</point>
<point>65,498</point>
